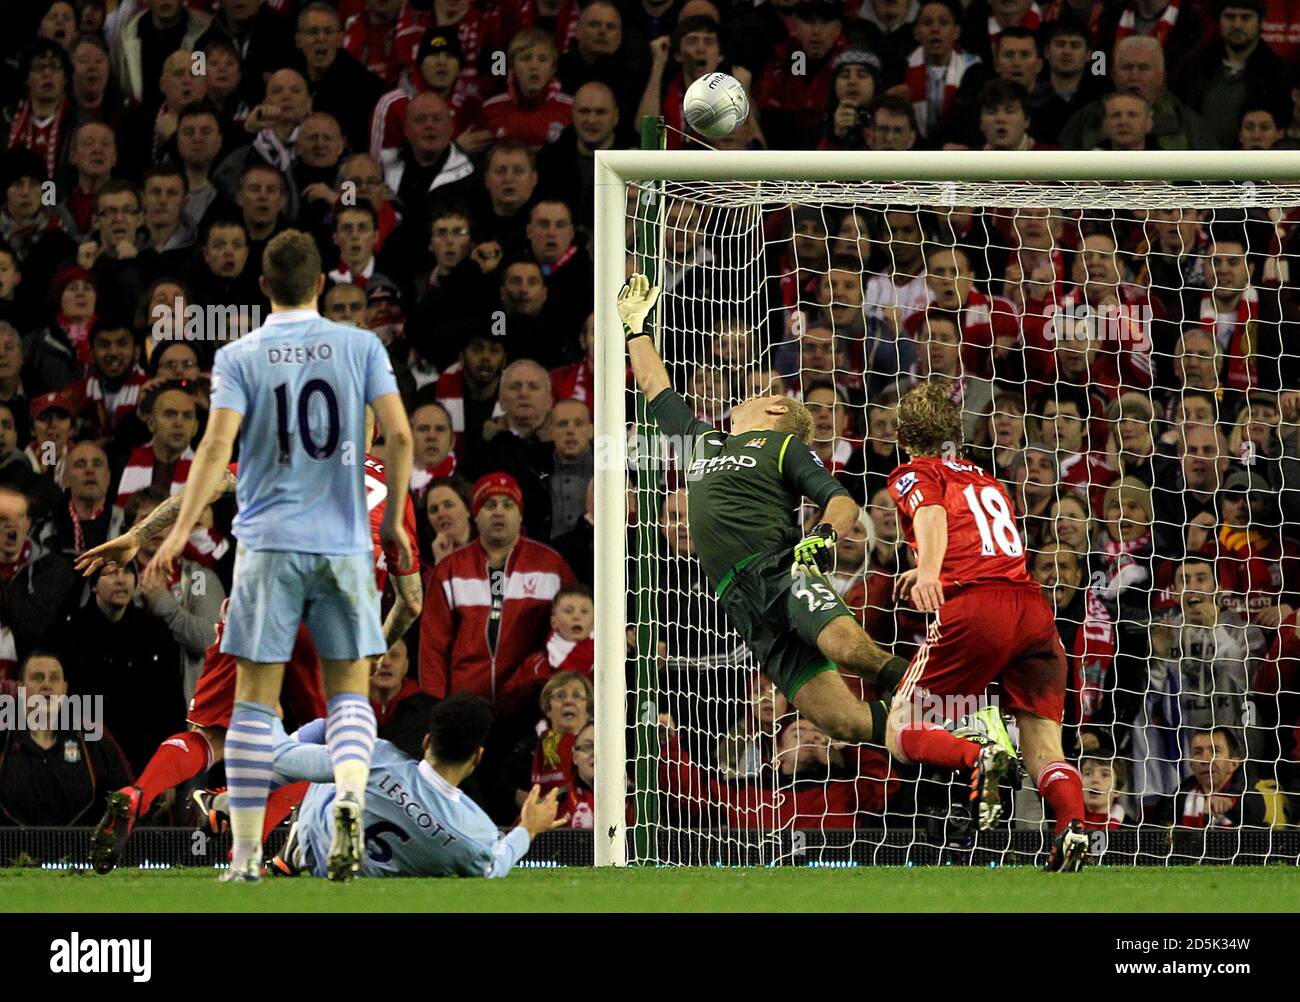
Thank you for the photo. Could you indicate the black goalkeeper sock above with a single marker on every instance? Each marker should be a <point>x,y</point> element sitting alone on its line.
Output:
<point>891,674</point>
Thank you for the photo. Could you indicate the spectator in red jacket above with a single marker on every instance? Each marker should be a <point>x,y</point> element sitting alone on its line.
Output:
<point>488,604</point>
<point>384,37</point>
<point>795,85</point>
<point>533,109</point>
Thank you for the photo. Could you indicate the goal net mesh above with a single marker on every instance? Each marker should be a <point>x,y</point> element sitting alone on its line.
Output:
<point>1124,356</point>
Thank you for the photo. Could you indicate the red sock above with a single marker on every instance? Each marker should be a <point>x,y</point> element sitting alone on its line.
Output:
<point>280,803</point>
<point>930,744</point>
<point>182,756</point>
<point>1062,787</point>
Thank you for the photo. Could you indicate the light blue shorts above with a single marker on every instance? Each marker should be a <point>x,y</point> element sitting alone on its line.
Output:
<point>335,596</point>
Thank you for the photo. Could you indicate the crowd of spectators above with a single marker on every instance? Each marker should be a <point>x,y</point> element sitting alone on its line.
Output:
<point>441,153</point>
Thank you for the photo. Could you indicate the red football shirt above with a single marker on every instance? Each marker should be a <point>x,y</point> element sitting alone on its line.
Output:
<point>984,543</point>
<point>377,504</point>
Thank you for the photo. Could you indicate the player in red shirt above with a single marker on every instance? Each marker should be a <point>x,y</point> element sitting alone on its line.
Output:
<point>990,623</point>
<point>183,756</point>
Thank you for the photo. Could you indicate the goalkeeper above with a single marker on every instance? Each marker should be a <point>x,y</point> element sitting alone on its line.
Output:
<point>743,489</point>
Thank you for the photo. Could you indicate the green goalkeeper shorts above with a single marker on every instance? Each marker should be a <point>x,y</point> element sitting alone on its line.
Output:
<point>779,617</point>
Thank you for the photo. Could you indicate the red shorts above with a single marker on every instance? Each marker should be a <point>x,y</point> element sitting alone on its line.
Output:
<point>989,632</point>
<point>302,697</point>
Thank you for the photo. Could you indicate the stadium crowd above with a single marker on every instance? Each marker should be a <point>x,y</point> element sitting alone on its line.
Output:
<point>442,155</point>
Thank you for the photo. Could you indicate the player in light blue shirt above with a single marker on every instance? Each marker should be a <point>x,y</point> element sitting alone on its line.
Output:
<point>295,391</point>
<point>418,823</point>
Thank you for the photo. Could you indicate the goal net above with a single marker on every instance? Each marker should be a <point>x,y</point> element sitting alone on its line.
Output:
<point>1127,363</point>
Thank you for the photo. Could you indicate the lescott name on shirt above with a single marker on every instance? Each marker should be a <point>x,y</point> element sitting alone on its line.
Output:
<point>413,809</point>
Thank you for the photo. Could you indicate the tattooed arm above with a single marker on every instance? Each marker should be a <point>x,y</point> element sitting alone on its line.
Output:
<point>123,549</point>
<point>410,600</point>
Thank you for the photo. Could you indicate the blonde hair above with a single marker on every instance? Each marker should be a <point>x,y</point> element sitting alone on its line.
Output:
<point>531,38</point>
<point>796,421</point>
<point>928,421</point>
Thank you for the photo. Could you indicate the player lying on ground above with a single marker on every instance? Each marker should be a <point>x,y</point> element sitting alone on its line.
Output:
<point>183,756</point>
<point>418,823</point>
<point>743,491</point>
<point>295,391</point>
<point>990,623</point>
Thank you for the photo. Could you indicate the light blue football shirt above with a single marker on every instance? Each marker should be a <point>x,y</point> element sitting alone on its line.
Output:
<point>301,383</point>
<point>416,824</point>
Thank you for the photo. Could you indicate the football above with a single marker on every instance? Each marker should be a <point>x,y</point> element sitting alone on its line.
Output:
<point>716,105</point>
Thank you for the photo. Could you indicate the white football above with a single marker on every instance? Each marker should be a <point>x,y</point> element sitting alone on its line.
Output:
<point>716,105</point>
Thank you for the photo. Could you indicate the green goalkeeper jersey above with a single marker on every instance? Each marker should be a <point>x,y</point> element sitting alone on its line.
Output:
<point>743,490</point>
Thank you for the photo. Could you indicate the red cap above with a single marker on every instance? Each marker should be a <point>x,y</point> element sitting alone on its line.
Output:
<point>496,484</point>
<point>52,401</point>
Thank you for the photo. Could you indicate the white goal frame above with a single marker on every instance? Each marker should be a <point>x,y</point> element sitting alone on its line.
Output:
<point>615,169</point>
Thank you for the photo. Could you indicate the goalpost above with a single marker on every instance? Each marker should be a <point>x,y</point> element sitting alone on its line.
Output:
<point>730,782</point>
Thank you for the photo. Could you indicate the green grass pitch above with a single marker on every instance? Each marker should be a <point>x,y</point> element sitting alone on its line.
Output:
<point>786,889</point>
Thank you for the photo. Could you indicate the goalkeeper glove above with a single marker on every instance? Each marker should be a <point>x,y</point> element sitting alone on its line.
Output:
<point>635,302</point>
<point>812,554</point>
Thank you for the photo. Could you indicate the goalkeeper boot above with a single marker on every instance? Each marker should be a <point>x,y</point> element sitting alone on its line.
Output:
<point>1069,851</point>
<point>990,724</point>
<point>288,861</point>
<point>344,860</point>
<point>212,808</point>
<point>992,768</point>
<point>108,840</point>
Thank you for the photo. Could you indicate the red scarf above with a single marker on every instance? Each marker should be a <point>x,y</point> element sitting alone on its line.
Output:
<point>1241,371</point>
<point>574,382</point>
<point>1128,22</point>
<point>561,261</point>
<point>205,547</point>
<point>421,478</point>
<point>78,332</point>
<point>7,571</point>
<point>1119,555</point>
<point>78,534</point>
<point>44,139</point>
<point>1197,814</point>
<point>571,655</point>
<point>1092,657</point>
<point>917,81</point>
